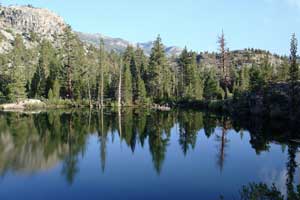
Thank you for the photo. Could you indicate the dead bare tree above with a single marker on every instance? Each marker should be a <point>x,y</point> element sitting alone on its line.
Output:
<point>224,64</point>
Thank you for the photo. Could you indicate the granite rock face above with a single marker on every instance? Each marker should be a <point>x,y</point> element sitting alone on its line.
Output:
<point>24,19</point>
<point>29,22</point>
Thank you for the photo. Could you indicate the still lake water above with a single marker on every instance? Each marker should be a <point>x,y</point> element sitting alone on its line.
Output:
<point>139,155</point>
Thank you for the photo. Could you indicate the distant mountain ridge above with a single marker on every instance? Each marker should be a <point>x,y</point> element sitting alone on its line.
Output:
<point>119,45</point>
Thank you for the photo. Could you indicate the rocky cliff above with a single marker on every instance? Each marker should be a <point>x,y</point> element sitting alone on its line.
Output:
<point>31,23</point>
<point>24,19</point>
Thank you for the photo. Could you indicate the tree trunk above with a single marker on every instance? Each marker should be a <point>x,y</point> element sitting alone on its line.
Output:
<point>102,89</point>
<point>89,92</point>
<point>120,85</point>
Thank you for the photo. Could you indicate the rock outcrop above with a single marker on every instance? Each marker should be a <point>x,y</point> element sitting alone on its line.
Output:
<point>31,23</point>
<point>26,19</point>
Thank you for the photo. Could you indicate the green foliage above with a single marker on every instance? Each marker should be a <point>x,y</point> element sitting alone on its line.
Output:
<point>256,79</point>
<point>141,92</point>
<point>90,74</point>
<point>16,87</point>
<point>212,90</point>
<point>56,89</point>
<point>127,86</point>
<point>190,85</point>
<point>294,68</point>
<point>159,72</point>
<point>50,95</point>
<point>260,192</point>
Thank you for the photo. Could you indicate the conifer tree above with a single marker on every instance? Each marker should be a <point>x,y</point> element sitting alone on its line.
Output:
<point>294,71</point>
<point>211,86</point>
<point>127,85</point>
<point>39,80</point>
<point>190,85</point>
<point>141,92</point>
<point>157,71</point>
<point>69,47</point>
<point>141,63</point>
<point>16,87</point>
<point>294,68</point>
<point>102,63</point>
<point>256,79</point>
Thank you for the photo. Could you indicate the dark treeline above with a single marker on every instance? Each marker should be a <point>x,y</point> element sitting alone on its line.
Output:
<point>93,76</point>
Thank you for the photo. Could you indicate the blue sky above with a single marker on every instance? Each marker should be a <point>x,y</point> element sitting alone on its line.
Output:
<point>266,24</point>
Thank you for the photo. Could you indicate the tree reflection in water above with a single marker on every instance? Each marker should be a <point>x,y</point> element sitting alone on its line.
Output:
<point>33,142</point>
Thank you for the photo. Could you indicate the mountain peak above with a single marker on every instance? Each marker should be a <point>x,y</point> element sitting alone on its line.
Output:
<point>119,45</point>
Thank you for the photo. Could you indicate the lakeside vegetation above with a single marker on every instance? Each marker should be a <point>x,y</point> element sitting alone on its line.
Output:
<point>74,74</point>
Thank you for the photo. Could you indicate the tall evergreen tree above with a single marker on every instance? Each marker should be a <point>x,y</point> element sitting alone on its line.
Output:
<point>102,63</point>
<point>158,71</point>
<point>190,85</point>
<point>294,68</point>
<point>211,86</point>
<point>127,80</point>
<point>39,80</point>
<point>16,87</point>
<point>69,47</point>
<point>141,63</point>
<point>256,79</point>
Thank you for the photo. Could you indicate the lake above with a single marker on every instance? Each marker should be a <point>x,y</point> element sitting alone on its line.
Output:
<point>141,154</point>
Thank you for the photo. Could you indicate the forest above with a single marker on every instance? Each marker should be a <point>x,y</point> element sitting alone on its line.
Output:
<point>74,73</point>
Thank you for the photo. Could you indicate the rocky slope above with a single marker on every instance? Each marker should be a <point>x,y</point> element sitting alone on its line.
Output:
<point>30,23</point>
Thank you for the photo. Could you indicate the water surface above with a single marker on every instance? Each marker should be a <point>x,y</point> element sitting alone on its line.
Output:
<point>138,154</point>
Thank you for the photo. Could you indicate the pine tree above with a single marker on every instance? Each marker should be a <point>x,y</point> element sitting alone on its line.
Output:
<point>38,83</point>
<point>158,77</point>
<point>69,47</point>
<point>127,85</point>
<point>102,63</point>
<point>56,72</point>
<point>141,91</point>
<point>294,68</point>
<point>141,63</point>
<point>16,87</point>
<point>183,62</point>
<point>294,72</point>
<point>242,81</point>
<point>256,79</point>
<point>190,85</point>
<point>39,80</point>
<point>211,86</point>
<point>134,73</point>
<point>193,77</point>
